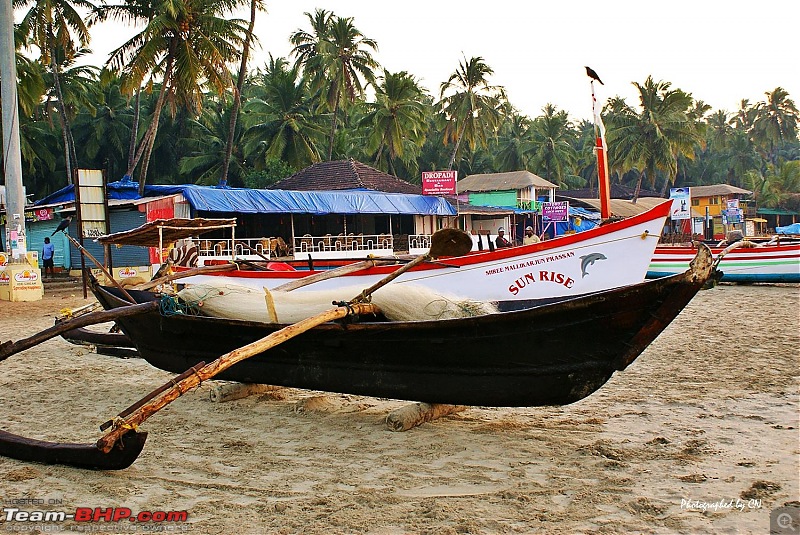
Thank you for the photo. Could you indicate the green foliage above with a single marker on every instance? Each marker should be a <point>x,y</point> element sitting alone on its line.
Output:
<point>273,171</point>
<point>292,114</point>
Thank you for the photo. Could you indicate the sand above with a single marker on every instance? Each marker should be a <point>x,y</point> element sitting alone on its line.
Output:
<point>699,435</point>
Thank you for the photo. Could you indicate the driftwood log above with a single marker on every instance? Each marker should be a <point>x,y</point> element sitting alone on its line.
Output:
<point>410,416</point>
<point>222,392</point>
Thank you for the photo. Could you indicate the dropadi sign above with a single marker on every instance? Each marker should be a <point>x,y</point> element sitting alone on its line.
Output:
<point>439,182</point>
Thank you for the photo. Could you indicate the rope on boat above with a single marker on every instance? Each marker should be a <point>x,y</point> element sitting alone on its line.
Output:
<point>172,306</point>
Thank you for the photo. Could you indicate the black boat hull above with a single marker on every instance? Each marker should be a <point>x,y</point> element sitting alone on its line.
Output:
<point>549,355</point>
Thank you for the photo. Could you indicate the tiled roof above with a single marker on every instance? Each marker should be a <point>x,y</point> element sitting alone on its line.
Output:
<point>345,174</point>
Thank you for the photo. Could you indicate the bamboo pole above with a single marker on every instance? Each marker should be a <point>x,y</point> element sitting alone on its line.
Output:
<point>121,426</point>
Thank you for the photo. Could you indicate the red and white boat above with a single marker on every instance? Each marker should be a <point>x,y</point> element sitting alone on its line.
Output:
<point>761,263</point>
<point>610,256</point>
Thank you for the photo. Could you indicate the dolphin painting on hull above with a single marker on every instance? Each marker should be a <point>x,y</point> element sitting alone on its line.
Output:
<point>588,260</point>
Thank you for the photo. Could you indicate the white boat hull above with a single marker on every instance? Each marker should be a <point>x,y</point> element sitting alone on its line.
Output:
<point>611,256</point>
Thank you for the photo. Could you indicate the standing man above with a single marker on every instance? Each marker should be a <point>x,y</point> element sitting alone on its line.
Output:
<point>501,240</point>
<point>48,250</point>
<point>530,237</point>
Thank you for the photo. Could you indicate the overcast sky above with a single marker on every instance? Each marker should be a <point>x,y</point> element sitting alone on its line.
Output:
<point>721,52</point>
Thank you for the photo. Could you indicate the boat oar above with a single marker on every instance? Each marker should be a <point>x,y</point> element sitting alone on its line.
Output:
<point>332,273</point>
<point>445,242</point>
<point>100,266</point>
<point>9,348</point>
<point>188,273</point>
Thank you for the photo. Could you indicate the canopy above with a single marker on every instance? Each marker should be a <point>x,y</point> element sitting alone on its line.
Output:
<point>155,233</point>
<point>794,228</point>
<point>260,201</point>
<point>357,201</point>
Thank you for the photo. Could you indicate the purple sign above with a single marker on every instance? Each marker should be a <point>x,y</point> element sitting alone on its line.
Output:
<point>555,212</point>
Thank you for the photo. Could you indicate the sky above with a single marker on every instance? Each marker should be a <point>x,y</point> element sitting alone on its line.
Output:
<point>720,52</point>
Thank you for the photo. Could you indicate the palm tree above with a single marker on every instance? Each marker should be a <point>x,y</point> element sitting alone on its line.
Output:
<point>186,45</point>
<point>552,145</point>
<point>511,154</point>
<point>396,121</point>
<point>775,122</point>
<point>472,105</point>
<point>53,26</point>
<point>335,57</point>
<point>103,132</point>
<point>652,139</point>
<point>278,119</point>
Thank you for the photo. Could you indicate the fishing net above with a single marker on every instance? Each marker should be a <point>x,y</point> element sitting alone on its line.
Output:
<point>398,302</point>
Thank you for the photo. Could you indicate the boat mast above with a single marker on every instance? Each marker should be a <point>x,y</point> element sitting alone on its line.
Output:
<point>604,189</point>
<point>15,194</point>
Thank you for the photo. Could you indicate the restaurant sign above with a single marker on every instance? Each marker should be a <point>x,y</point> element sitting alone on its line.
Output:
<point>439,182</point>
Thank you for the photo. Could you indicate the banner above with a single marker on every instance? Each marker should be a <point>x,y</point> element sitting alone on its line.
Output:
<point>555,212</point>
<point>439,182</point>
<point>681,203</point>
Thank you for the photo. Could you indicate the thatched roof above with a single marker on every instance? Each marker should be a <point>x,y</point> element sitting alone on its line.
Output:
<point>515,180</point>
<point>345,174</point>
<point>717,189</point>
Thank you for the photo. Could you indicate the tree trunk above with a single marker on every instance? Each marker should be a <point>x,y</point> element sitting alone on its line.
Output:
<point>62,112</point>
<point>237,94</point>
<point>458,143</point>
<point>146,145</point>
<point>134,132</point>
<point>333,128</point>
<point>638,188</point>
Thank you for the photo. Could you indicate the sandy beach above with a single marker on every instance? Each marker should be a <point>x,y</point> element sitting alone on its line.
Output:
<point>699,435</point>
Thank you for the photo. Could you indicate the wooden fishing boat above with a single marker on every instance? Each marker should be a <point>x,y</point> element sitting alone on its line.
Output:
<point>105,343</point>
<point>553,354</point>
<point>760,263</point>
<point>608,256</point>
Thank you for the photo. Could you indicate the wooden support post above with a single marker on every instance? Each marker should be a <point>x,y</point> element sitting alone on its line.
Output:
<point>409,416</point>
<point>222,392</point>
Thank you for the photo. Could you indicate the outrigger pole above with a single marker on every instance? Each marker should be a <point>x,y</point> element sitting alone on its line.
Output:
<point>602,159</point>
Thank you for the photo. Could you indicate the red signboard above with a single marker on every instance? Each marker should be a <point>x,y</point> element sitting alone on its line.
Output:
<point>439,182</point>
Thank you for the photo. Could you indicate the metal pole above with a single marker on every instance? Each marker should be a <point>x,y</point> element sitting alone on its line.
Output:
<point>15,193</point>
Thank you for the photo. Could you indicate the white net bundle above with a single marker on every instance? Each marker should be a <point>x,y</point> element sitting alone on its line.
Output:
<point>398,302</point>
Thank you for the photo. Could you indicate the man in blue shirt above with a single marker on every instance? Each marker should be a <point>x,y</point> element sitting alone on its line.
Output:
<point>48,250</point>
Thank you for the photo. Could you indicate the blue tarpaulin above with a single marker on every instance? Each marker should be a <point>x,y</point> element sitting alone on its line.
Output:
<point>794,228</point>
<point>258,201</point>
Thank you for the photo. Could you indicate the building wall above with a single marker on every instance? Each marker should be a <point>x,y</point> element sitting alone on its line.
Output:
<point>128,255</point>
<point>494,198</point>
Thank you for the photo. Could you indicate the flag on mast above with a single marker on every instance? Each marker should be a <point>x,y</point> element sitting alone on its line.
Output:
<point>602,158</point>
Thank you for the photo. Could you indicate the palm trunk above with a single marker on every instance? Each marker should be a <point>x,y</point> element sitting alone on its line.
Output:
<point>69,150</point>
<point>638,188</point>
<point>134,132</point>
<point>237,94</point>
<point>146,146</point>
<point>333,128</point>
<point>458,143</point>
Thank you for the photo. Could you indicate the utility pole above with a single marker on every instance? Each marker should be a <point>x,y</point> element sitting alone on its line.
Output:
<point>15,195</point>
<point>22,281</point>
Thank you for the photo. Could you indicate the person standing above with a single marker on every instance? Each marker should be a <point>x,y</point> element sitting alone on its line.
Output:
<point>501,240</point>
<point>48,251</point>
<point>530,237</point>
